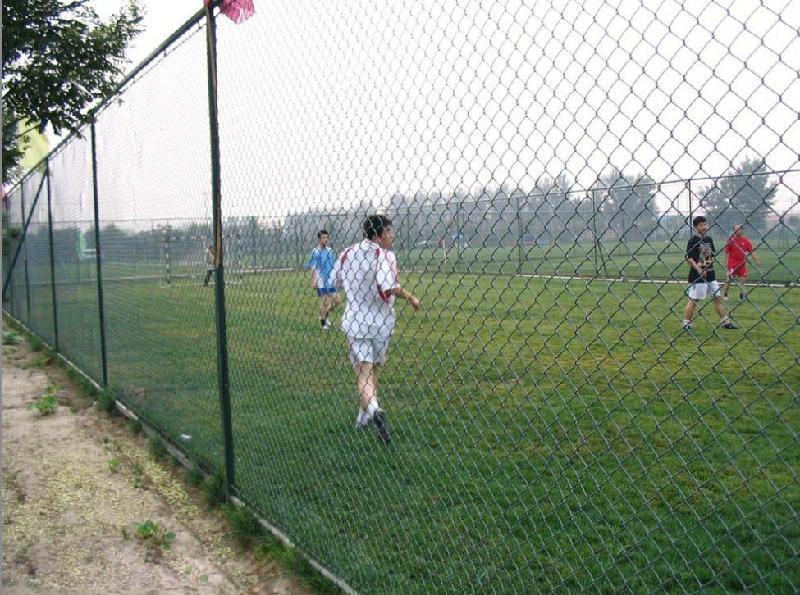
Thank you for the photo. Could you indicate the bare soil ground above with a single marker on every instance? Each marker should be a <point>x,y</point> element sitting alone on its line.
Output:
<point>69,511</point>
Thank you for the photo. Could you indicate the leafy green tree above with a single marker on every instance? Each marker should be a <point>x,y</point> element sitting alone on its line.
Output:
<point>744,195</point>
<point>59,59</point>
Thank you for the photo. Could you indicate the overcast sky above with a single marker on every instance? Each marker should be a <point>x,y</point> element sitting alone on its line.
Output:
<point>332,103</point>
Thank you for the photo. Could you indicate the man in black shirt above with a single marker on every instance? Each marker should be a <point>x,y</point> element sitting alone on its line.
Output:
<point>702,278</point>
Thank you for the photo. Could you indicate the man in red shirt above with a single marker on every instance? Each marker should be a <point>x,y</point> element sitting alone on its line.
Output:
<point>736,250</point>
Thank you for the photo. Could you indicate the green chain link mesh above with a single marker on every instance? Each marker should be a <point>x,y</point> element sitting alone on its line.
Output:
<point>553,428</point>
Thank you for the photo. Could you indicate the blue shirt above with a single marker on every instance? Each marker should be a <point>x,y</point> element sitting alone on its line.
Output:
<point>322,260</point>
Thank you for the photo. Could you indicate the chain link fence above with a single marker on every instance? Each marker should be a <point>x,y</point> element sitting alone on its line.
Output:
<point>553,428</point>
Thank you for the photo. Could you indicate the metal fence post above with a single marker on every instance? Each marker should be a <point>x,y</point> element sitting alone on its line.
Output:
<point>253,228</point>
<point>167,254</point>
<point>52,254</point>
<point>457,242</point>
<point>8,269</point>
<point>98,260</point>
<point>519,235</point>
<point>23,239</point>
<point>596,244</point>
<point>219,285</point>
<point>21,246</point>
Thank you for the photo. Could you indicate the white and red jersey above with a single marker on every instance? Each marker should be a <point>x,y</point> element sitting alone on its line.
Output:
<point>367,273</point>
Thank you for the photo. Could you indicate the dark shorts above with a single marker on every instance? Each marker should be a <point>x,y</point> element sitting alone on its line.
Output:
<point>322,292</point>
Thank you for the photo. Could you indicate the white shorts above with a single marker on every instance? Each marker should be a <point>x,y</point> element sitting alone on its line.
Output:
<point>371,351</point>
<point>700,290</point>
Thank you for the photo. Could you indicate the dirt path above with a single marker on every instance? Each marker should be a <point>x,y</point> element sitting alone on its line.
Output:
<point>69,511</point>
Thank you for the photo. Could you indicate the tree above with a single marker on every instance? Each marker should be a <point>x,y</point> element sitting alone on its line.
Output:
<point>550,193</point>
<point>627,204</point>
<point>547,210</point>
<point>744,195</point>
<point>59,59</point>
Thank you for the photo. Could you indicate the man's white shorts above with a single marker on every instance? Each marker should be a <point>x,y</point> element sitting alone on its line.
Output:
<point>700,290</point>
<point>372,351</point>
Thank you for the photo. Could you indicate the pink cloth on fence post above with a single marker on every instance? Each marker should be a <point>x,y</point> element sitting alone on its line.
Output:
<point>236,10</point>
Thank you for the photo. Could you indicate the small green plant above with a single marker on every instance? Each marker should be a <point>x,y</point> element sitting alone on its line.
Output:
<point>87,386</point>
<point>193,475</point>
<point>157,448</point>
<point>214,489</point>
<point>40,361</point>
<point>155,533</point>
<point>72,374</point>
<point>114,464</point>
<point>138,475</point>
<point>270,547</point>
<point>46,404</point>
<point>106,401</point>
<point>244,524</point>
<point>145,530</point>
<point>11,338</point>
<point>36,343</point>
<point>136,426</point>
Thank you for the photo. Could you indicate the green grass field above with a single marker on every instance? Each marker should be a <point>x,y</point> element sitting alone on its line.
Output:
<point>548,434</point>
<point>780,261</point>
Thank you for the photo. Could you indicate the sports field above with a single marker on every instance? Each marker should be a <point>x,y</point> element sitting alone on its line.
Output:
<point>548,434</point>
<point>780,260</point>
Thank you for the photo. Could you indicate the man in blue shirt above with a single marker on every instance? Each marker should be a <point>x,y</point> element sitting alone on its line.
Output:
<point>321,264</point>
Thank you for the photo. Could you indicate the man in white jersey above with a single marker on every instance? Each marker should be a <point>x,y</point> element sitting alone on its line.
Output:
<point>367,272</point>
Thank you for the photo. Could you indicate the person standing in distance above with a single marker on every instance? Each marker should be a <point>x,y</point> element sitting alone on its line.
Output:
<point>321,264</point>
<point>209,256</point>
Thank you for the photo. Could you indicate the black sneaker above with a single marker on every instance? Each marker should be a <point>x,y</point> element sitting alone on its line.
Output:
<point>741,297</point>
<point>382,425</point>
<point>322,322</point>
<point>729,325</point>
<point>687,328</point>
